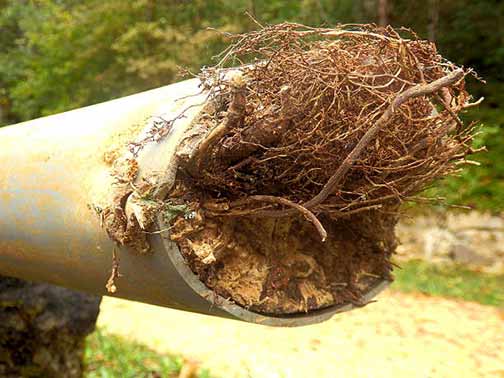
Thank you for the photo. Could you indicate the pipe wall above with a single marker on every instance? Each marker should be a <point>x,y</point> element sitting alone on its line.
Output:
<point>55,171</point>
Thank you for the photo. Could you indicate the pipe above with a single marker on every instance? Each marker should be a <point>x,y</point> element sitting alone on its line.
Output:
<point>56,171</point>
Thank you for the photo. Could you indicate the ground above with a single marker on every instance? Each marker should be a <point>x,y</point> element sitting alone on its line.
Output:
<point>401,335</point>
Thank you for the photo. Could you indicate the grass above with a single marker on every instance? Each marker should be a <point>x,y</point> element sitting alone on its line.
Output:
<point>480,187</point>
<point>110,356</point>
<point>450,281</point>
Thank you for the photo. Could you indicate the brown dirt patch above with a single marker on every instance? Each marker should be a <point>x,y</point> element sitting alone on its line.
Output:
<point>280,266</point>
<point>336,125</point>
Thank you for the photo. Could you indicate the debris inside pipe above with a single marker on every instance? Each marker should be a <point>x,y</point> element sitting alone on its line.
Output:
<point>289,180</point>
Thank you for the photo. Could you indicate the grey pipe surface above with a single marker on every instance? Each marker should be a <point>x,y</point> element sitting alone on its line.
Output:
<point>54,172</point>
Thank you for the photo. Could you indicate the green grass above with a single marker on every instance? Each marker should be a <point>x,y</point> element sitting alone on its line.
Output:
<point>450,281</point>
<point>110,356</point>
<point>480,187</point>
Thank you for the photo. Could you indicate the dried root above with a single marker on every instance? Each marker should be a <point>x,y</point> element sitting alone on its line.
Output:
<point>334,119</point>
<point>296,168</point>
<point>336,125</point>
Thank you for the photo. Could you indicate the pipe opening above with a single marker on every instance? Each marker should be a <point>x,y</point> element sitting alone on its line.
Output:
<point>279,266</point>
<point>282,189</point>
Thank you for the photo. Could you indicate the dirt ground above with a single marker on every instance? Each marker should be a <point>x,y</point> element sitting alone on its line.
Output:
<point>399,336</point>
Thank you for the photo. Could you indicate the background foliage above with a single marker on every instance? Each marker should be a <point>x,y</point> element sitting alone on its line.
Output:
<point>57,55</point>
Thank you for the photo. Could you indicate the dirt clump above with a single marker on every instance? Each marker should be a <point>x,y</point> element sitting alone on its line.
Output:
<point>297,171</point>
<point>280,265</point>
<point>293,174</point>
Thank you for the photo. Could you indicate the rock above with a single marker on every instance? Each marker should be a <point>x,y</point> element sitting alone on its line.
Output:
<point>472,238</point>
<point>438,243</point>
<point>462,254</point>
<point>42,329</point>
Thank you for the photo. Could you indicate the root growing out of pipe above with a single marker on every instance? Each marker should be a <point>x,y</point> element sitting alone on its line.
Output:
<point>294,172</point>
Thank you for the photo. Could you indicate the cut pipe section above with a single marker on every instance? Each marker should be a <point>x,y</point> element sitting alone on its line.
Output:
<point>54,180</point>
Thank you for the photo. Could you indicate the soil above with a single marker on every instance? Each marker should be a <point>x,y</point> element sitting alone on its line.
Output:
<point>293,135</point>
<point>401,335</point>
<point>281,266</point>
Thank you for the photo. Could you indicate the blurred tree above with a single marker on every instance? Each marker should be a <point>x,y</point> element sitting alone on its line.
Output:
<point>383,12</point>
<point>65,54</point>
<point>433,19</point>
<point>57,55</point>
<point>61,54</point>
